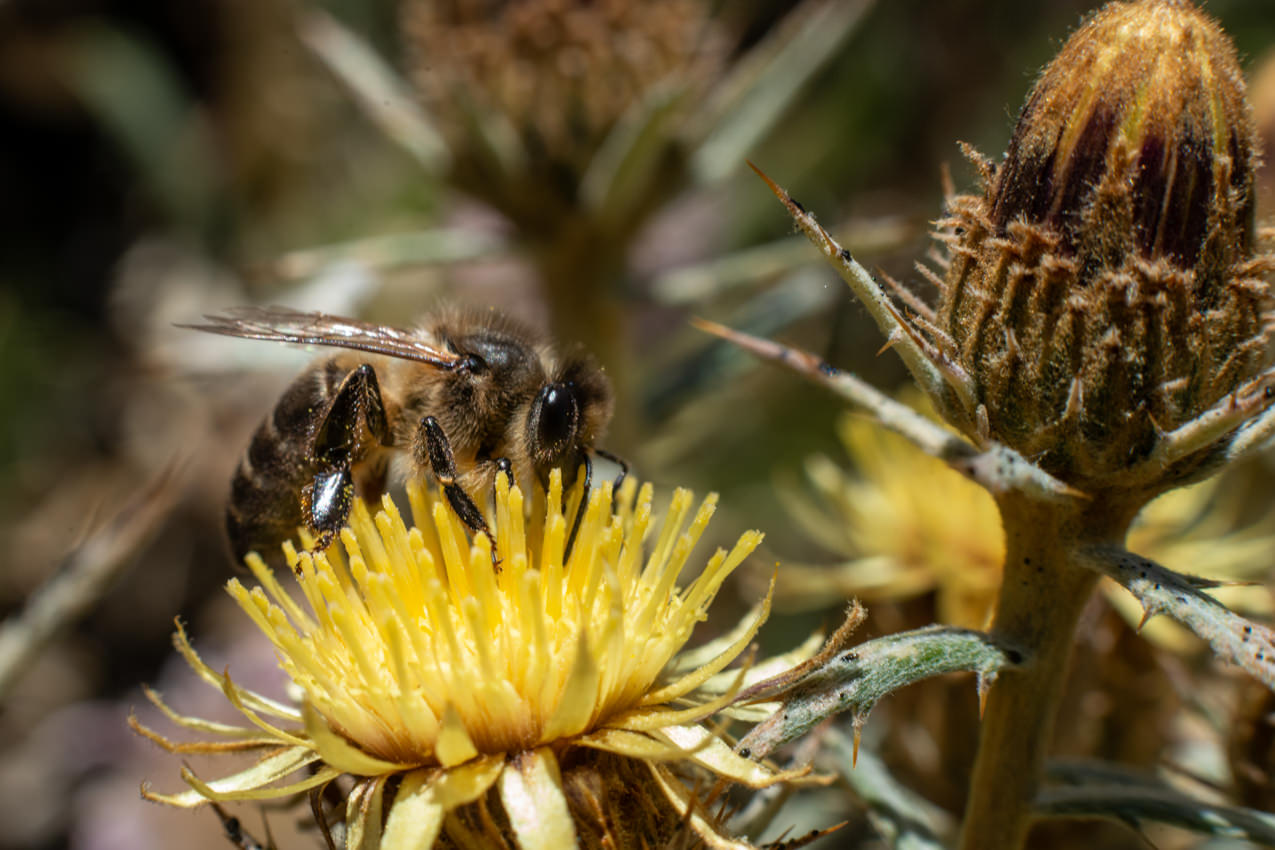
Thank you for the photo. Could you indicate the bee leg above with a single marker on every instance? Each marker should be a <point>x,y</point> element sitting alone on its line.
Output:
<point>357,399</point>
<point>327,500</point>
<point>584,503</point>
<point>618,461</point>
<point>236,834</point>
<point>443,464</point>
<point>378,424</point>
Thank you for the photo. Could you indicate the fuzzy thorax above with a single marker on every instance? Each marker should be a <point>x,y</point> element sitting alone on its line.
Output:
<point>1104,287</point>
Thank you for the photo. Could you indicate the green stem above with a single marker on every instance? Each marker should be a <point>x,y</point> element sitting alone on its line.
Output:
<point>579,270</point>
<point>1042,596</point>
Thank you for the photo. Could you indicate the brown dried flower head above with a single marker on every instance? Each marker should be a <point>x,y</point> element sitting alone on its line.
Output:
<point>555,75</point>
<point>1104,288</point>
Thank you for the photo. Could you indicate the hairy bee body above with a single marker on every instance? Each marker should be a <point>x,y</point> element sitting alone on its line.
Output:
<point>265,506</point>
<point>457,398</point>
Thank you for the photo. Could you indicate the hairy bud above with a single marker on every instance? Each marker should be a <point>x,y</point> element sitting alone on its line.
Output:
<point>1104,288</point>
<point>552,77</point>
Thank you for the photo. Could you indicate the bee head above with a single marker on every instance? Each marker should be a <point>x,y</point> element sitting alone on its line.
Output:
<point>567,416</point>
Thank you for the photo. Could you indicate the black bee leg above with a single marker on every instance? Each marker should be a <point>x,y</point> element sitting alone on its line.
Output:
<point>584,503</point>
<point>378,425</point>
<point>618,461</point>
<point>237,835</point>
<point>358,398</point>
<point>327,500</point>
<point>443,464</point>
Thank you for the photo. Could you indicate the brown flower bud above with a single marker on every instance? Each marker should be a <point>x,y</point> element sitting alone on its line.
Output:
<point>1104,288</point>
<point>553,77</point>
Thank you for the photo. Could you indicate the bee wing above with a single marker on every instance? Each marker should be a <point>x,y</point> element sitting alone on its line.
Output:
<point>283,324</point>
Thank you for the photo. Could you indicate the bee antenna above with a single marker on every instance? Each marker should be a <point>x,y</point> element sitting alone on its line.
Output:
<point>618,461</point>
<point>584,502</point>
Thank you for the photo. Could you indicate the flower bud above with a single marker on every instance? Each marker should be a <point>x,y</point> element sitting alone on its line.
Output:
<point>551,78</point>
<point>1104,288</point>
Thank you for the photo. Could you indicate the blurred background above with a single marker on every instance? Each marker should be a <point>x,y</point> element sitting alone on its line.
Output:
<point>580,165</point>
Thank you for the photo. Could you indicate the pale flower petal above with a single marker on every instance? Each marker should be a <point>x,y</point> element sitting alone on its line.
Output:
<point>693,659</point>
<point>340,753</point>
<point>254,701</point>
<point>199,724</point>
<point>653,717</point>
<point>637,745</point>
<point>363,809</point>
<point>462,785</point>
<point>709,751</point>
<point>237,744</point>
<point>234,788</point>
<point>766,669</point>
<point>531,790</point>
<point>270,769</point>
<point>684,803</point>
<point>454,745</point>
<point>416,815</point>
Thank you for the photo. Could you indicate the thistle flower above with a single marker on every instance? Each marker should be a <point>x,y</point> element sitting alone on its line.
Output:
<point>1103,290</point>
<point>542,703</point>
<point>907,524</point>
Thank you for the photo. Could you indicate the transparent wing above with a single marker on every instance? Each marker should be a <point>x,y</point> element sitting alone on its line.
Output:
<point>282,324</point>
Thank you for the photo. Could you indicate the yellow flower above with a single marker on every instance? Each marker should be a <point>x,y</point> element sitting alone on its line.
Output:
<point>544,690</point>
<point>907,524</point>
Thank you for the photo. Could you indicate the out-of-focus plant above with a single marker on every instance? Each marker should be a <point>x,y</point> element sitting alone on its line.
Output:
<point>577,122</point>
<point>1262,93</point>
<point>906,524</point>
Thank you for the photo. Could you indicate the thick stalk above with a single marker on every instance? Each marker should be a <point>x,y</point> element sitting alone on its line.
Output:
<point>579,271</point>
<point>1041,599</point>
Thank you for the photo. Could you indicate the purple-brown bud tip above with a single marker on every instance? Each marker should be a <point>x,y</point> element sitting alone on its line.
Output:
<point>1143,114</point>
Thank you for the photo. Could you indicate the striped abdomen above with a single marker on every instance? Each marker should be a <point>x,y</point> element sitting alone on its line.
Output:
<point>265,493</point>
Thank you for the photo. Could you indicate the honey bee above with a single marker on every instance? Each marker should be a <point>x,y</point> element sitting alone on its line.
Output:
<point>460,397</point>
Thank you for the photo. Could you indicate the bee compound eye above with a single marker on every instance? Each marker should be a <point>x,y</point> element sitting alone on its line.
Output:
<point>556,416</point>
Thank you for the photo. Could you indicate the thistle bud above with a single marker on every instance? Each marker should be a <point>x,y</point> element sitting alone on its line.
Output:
<point>552,77</point>
<point>1104,288</point>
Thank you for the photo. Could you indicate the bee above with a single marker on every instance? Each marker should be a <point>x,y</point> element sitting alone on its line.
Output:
<point>461,397</point>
